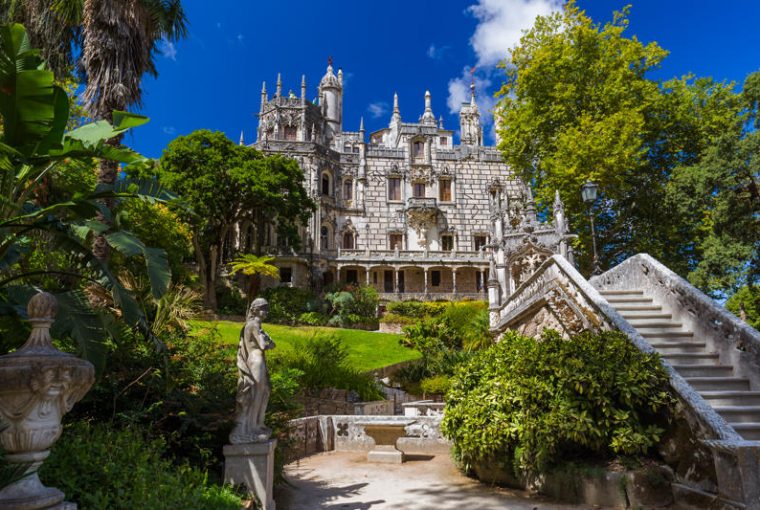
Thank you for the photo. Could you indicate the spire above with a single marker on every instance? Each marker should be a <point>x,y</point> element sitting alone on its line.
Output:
<point>396,117</point>
<point>340,77</point>
<point>242,138</point>
<point>560,222</point>
<point>440,122</point>
<point>428,117</point>
<point>278,93</point>
<point>303,89</point>
<point>264,98</point>
<point>472,94</point>
<point>361,126</point>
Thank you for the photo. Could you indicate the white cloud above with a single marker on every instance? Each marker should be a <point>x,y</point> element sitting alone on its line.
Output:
<point>169,130</point>
<point>437,52</point>
<point>459,92</point>
<point>377,109</point>
<point>501,23</point>
<point>167,49</point>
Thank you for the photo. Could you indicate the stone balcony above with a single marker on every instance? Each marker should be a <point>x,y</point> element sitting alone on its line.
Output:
<point>409,257</point>
<point>421,204</point>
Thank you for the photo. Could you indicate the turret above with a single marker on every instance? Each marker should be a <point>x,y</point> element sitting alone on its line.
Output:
<point>264,97</point>
<point>396,116</point>
<point>278,92</point>
<point>471,132</point>
<point>428,117</point>
<point>331,89</point>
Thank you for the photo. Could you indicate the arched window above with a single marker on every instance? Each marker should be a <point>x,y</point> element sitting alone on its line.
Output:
<point>324,238</point>
<point>348,241</point>
<point>326,184</point>
<point>348,189</point>
<point>418,149</point>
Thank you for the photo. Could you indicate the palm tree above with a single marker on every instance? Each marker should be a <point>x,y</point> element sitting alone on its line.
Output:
<point>120,40</point>
<point>254,267</point>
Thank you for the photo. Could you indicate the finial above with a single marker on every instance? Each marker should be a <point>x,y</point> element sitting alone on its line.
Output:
<point>303,80</point>
<point>41,311</point>
<point>264,87</point>
<point>340,76</point>
<point>395,101</point>
<point>361,124</point>
<point>279,85</point>
<point>440,122</point>
<point>396,117</point>
<point>242,139</point>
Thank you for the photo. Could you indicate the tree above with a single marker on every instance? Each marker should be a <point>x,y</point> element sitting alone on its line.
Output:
<point>33,144</point>
<point>578,105</point>
<point>222,184</point>
<point>254,267</point>
<point>119,43</point>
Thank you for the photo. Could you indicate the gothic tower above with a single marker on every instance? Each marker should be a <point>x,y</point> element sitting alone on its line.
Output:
<point>331,100</point>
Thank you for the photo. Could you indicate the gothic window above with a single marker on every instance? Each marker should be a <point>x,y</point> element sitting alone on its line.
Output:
<point>348,189</point>
<point>443,141</point>
<point>447,242</point>
<point>394,189</point>
<point>324,238</point>
<point>480,241</point>
<point>418,149</point>
<point>286,275</point>
<point>435,278</point>
<point>348,241</point>
<point>290,133</point>
<point>396,241</point>
<point>444,188</point>
<point>346,147</point>
<point>325,184</point>
<point>419,190</point>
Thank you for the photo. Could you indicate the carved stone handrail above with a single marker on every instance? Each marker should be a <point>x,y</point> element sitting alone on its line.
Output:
<point>557,274</point>
<point>737,343</point>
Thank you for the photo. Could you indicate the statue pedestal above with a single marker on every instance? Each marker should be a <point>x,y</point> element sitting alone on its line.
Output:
<point>252,465</point>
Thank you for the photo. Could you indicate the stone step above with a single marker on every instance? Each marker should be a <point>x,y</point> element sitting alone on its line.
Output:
<point>667,335</point>
<point>732,398</point>
<point>646,325</point>
<point>666,348</point>
<point>749,431</point>
<point>628,300</point>
<point>621,292</point>
<point>739,414</point>
<point>692,358</point>
<point>636,308</point>
<point>635,315</point>
<point>704,371</point>
<point>718,383</point>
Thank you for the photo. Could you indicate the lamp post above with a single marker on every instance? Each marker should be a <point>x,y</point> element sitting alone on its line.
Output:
<point>588,193</point>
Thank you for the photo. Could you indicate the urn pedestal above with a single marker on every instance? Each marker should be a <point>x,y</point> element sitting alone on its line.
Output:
<point>38,385</point>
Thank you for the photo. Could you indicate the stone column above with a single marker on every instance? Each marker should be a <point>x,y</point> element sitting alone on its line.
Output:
<point>425,270</point>
<point>367,279</point>
<point>395,280</point>
<point>454,282</point>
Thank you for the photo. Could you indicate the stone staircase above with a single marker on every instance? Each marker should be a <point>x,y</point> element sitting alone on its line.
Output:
<point>731,396</point>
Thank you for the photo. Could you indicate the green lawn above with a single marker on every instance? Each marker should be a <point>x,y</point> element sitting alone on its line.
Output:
<point>367,350</point>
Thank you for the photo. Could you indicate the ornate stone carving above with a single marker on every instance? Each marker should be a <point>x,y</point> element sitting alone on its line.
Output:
<point>38,385</point>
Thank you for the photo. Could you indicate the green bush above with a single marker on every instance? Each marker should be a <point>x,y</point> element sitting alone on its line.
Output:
<point>100,467</point>
<point>353,306</point>
<point>286,304</point>
<point>417,309</point>
<point>322,362</point>
<point>392,318</point>
<point>436,385</point>
<point>312,319</point>
<point>540,402</point>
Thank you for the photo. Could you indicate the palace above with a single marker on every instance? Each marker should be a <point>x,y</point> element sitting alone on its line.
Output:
<point>404,210</point>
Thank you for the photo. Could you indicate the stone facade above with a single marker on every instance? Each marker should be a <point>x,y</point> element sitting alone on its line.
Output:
<point>403,209</point>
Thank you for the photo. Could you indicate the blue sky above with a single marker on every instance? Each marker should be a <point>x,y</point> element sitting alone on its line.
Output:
<point>213,78</point>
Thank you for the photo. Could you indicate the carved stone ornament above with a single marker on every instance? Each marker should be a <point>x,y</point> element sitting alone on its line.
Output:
<point>38,385</point>
<point>421,220</point>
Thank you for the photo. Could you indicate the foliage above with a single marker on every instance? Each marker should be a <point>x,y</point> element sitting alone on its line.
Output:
<point>323,361</point>
<point>354,305</point>
<point>224,184</point>
<point>746,302</point>
<point>417,309</point>
<point>312,319</point>
<point>436,385</point>
<point>578,105</point>
<point>34,145</point>
<point>286,304</point>
<point>120,469</point>
<point>174,310</point>
<point>544,401</point>
<point>392,318</point>
<point>254,267</point>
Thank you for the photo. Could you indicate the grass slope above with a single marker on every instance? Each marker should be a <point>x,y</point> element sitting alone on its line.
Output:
<point>367,350</point>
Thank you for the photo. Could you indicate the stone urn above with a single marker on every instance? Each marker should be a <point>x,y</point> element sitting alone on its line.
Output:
<point>38,385</point>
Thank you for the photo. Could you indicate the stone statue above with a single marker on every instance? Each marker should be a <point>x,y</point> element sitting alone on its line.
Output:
<point>253,378</point>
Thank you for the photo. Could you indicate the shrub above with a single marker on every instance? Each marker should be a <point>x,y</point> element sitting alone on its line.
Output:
<point>392,318</point>
<point>323,362</point>
<point>353,306</point>
<point>436,385</point>
<point>312,319</point>
<point>286,304</point>
<point>540,402</point>
<point>120,469</point>
<point>417,309</point>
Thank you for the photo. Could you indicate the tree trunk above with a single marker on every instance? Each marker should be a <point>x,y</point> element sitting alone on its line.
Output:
<point>107,173</point>
<point>209,292</point>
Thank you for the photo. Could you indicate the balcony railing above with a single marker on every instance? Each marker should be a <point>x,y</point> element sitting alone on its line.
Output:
<point>411,256</point>
<point>421,203</point>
